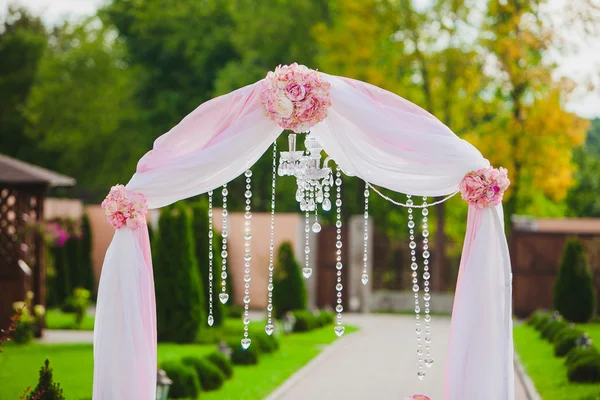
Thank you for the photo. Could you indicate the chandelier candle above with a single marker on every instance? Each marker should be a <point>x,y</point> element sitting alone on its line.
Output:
<point>223,296</point>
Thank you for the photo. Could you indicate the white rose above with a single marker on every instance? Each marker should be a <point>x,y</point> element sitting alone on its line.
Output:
<point>111,207</point>
<point>284,107</point>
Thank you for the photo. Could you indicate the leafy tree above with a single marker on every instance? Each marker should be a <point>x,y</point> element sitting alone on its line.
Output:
<point>46,388</point>
<point>574,295</point>
<point>22,43</point>
<point>532,135</point>
<point>179,45</point>
<point>179,296</point>
<point>200,229</point>
<point>85,260</point>
<point>583,200</point>
<point>81,102</point>
<point>289,289</point>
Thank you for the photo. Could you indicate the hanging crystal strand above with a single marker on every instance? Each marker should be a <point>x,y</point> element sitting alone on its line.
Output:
<point>211,319</point>
<point>365,276</point>
<point>414,267</point>
<point>339,328</point>
<point>316,228</point>
<point>223,296</point>
<point>269,328</point>
<point>426,276</point>
<point>247,257</point>
<point>307,270</point>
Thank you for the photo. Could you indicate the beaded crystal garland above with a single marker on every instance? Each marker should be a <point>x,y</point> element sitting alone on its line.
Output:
<point>247,257</point>
<point>223,296</point>
<point>269,328</point>
<point>211,319</point>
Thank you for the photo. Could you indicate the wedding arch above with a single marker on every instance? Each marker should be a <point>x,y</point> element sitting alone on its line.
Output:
<point>369,133</point>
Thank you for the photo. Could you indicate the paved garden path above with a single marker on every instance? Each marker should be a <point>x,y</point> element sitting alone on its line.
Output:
<point>378,362</point>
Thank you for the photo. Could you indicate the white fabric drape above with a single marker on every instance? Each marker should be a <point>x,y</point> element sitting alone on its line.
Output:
<point>370,133</point>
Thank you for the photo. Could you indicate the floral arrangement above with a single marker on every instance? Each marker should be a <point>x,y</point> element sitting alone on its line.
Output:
<point>296,97</point>
<point>417,397</point>
<point>484,187</point>
<point>125,208</point>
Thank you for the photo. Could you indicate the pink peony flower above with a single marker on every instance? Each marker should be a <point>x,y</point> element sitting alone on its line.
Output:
<point>125,208</point>
<point>295,91</point>
<point>485,187</point>
<point>295,97</point>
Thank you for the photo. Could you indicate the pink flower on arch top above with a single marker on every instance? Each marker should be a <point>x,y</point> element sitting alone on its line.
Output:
<point>484,187</point>
<point>125,208</point>
<point>295,97</point>
<point>418,397</point>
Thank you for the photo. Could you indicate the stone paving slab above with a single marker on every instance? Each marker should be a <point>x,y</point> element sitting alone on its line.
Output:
<point>66,336</point>
<point>378,362</point>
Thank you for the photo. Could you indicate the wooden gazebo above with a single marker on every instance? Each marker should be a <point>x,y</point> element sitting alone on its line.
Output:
<point>23,188</point>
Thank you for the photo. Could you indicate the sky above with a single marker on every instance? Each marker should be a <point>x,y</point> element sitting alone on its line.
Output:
<point>585,62</point>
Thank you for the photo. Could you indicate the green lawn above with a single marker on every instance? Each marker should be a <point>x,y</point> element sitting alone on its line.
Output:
<point>548,372</point>
<point>73,365</point>
<point>56,319</point>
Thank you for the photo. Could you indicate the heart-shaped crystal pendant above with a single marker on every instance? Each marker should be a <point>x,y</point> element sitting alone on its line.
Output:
<point>269,329</point>
<point>339,330</point>
<point>246,343</point>
<point>365,279</point>
<point>307,272</point>
<point>223,297</point>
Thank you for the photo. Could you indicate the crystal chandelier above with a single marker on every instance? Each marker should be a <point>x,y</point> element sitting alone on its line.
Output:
<point>313,180</point>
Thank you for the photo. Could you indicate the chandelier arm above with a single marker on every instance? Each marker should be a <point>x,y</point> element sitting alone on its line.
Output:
<point>406,205</point>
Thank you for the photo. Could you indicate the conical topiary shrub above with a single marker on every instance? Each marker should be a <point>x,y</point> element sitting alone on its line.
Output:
<point>574,294</point>
<point>200,229</point>
<point>179,296</point>
<point>46,389</point>
<point>289,291</point>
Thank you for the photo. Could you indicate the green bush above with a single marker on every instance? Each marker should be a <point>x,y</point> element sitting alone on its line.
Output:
<point>266,343</point>
<point>586,369</point>
<point>200,228</point>
<point>210,376</point>
<point>552,328</point>
<point>305,321</point>
<point>325,318</point>
<point>241,356</point>
<point>86,266</point>
<point>289,291</point>
<point>179,294</point>
<point>574,295</point>
<point>542,321</point>
<point>46,389</point>
<point>185,379</point>
<point>234,311</point>
<point>566,341</point>
<point>579,352</point>
<point>80,302</point>
<point>222,362</point>
<point>535,317</point>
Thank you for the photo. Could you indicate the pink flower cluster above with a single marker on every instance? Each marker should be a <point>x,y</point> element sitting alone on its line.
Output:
<point>484,187</point>
<point>418,397</point>
<point>57,234</point>
<point>295,97</point>
<point>125,208</point>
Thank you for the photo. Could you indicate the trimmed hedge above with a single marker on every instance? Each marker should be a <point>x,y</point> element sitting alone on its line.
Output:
<point>222,362</point>
<point>574,295</point>
<point>179,294</point>
<point>536,317</point>
<point>241,356</point>
<point>305,321</point>
<point>565,341</point>
<point>325,318</point>
<point>185,379</point>
<point>210,376</point>
<point>586,369</point>
<point>552,328</point>
<point>266,343</point>
<point>578,353</point>
<point>289,292</point>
